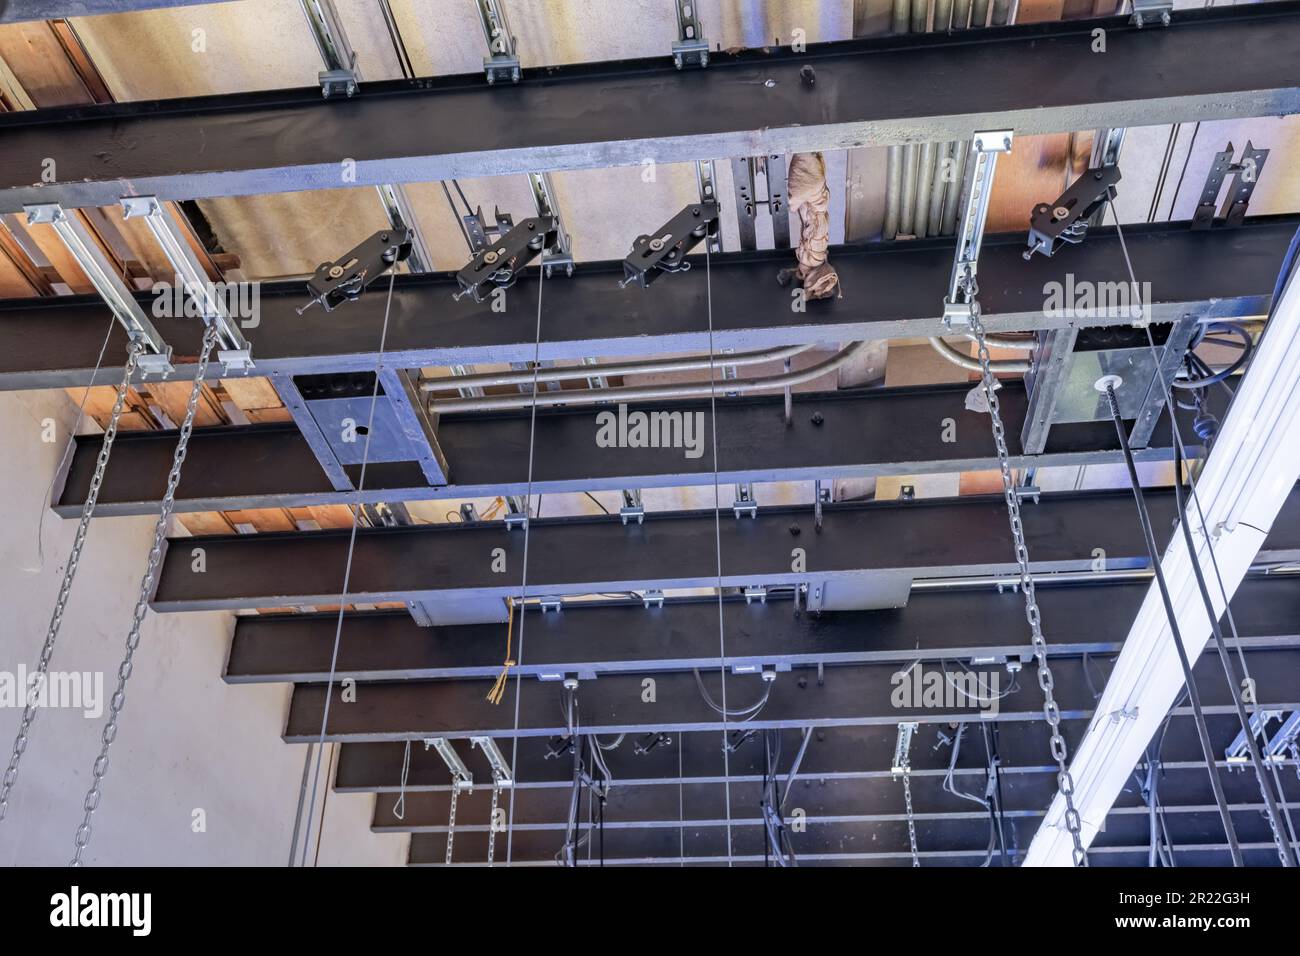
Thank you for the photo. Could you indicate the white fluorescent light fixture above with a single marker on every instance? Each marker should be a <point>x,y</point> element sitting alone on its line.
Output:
<point>1252,468</point>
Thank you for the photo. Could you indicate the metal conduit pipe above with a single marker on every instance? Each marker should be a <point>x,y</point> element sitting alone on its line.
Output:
<point>907,196</point>
<point>1007,342</point>
<point>689,364</point>
<point>961,14</point>
<point>979,13</point>
<point>1001,12</point>
<point>920,13</point>
<point>898,21</point>
<point>898,16</point>
<point>924,189</point>
<point>943,184</point>
<point>652,392</point>
<point>893,185</point>
<point>965,361</point>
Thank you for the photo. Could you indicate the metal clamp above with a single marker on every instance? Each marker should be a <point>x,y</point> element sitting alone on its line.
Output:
<point>503,63</point>
<point>1151,12</point>
<point>690,48</point>
<point>666,250</point>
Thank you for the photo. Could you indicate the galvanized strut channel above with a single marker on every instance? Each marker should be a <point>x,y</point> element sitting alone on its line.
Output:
<point>962,306</point>
<point>69,573</point>
<point>116,702</point>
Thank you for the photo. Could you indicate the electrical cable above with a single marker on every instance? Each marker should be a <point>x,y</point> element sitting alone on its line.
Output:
<point>347,573</point>
<point>717,531</point>
<point>523,584</point>
<point>744,713</point>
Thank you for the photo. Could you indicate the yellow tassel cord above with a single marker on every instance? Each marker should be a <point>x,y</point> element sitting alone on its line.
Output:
<point>499,688</point>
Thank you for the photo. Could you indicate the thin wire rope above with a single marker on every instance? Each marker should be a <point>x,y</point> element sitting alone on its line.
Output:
<point>347,575</point>
<point>1284,849</point>
<point>523,581</point>
<point>67,449</point>
<point>717,532</point>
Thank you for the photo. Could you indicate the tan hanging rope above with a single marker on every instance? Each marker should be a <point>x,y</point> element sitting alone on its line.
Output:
<point>499,688</point>
<point>809,196</point>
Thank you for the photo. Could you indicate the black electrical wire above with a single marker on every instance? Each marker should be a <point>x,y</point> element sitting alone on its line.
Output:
<point>597,501</point>
<point>1145,520</point>
<point>995,776</point>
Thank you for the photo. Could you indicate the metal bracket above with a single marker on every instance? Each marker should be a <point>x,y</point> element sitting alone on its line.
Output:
<point>650,741</point>
<point>236,355</point>
<point>338,82</point>
<point>746,172</point>
<point>503,63</point>
<point>745,504</point>
<point>666,250</point>
<point>633,508</point>
<point>755,592</point>
<point>981,161</point>
<point>468,513</point>
<point>499,265</point>
<point>903,746</point>
<point>550,603</point>
<point>461,778</point>
<point>104,277</point>
<point>502,776</point>
<point>559,254</point>
<point>690,48</point>
<point>1151,12</point>
<point>1245,175</point>
<point>652,597</point>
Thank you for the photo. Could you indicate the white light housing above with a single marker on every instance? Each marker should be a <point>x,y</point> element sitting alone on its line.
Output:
<point>1251,471</point>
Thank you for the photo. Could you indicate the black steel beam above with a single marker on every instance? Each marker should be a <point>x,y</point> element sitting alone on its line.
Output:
<point>931,538</point>
<point>849,695</point>
<point>1026,792</point>
<point>897,431</point>
<point>833,753</point>
<point>892,290</point>
<point>1038,78</point>
<point>859,841</point>
<point>629,638</point>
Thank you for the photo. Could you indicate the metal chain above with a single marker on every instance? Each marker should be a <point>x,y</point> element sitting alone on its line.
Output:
<point>116,702</point>
<point>69,572</point>
<point>492,821</point>
<point>1065,781</point>
<point>451,821</point>
<point>911,824</point>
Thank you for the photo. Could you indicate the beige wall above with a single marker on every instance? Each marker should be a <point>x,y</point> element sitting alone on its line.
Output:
<point>186,740</point>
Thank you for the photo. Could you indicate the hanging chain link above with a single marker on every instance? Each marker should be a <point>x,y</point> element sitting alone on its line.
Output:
<point>451,821</point>
<point>492,819</point>
<point>911,822</point>
<point>100,767</point>
<point>69,572</point>
<point>1051,711</point>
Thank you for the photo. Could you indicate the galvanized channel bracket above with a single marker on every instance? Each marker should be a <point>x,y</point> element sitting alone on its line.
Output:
<point>1151,13</point>
<point>461,778</point>
<point>503,63</point>
<point>963,286</point>
<point>1235,204</point>
<point>103,276</point>
<point>690,48</point>
<point>235,354</point>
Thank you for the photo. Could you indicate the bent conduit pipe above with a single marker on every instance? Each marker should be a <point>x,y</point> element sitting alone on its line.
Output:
<point>965,361</point>
<point>652,392</point>
<point>525,376</point>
